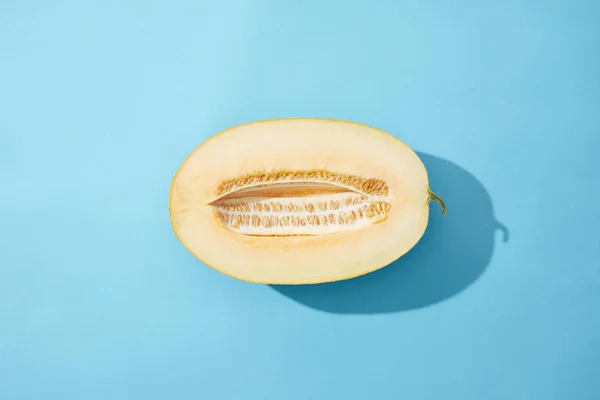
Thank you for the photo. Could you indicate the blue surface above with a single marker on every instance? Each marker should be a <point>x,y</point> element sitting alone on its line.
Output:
<point>101,101</point>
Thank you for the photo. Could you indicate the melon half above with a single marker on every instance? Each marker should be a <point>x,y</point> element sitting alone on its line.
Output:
<point>300,201</point>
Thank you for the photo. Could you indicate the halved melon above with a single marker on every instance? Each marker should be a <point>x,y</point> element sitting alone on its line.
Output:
<point>299,201</point>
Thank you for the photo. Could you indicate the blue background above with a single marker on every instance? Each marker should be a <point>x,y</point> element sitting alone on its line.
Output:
<point>101,101</point>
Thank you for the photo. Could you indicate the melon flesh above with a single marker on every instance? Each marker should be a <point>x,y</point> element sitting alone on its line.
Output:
<point>299,201</point>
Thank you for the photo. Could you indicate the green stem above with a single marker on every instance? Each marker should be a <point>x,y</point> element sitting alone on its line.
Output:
<point>438,199</point>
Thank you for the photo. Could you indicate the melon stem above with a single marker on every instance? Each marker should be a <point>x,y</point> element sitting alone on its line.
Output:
<point>437,199</point>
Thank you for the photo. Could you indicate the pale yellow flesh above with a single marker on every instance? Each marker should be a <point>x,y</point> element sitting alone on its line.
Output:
<point>318,251</point>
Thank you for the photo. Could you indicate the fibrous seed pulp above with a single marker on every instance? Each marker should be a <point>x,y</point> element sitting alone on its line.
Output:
<point>300,203</point>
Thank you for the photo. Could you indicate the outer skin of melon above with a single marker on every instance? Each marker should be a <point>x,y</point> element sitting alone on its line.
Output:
<point>300,144</point>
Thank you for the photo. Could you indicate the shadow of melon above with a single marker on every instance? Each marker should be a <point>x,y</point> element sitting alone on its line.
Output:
<point>453,253</point>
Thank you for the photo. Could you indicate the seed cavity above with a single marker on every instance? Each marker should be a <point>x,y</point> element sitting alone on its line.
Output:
<point>300,203</point>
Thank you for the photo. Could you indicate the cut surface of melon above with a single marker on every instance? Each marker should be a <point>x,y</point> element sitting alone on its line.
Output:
<point>300,201</point>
